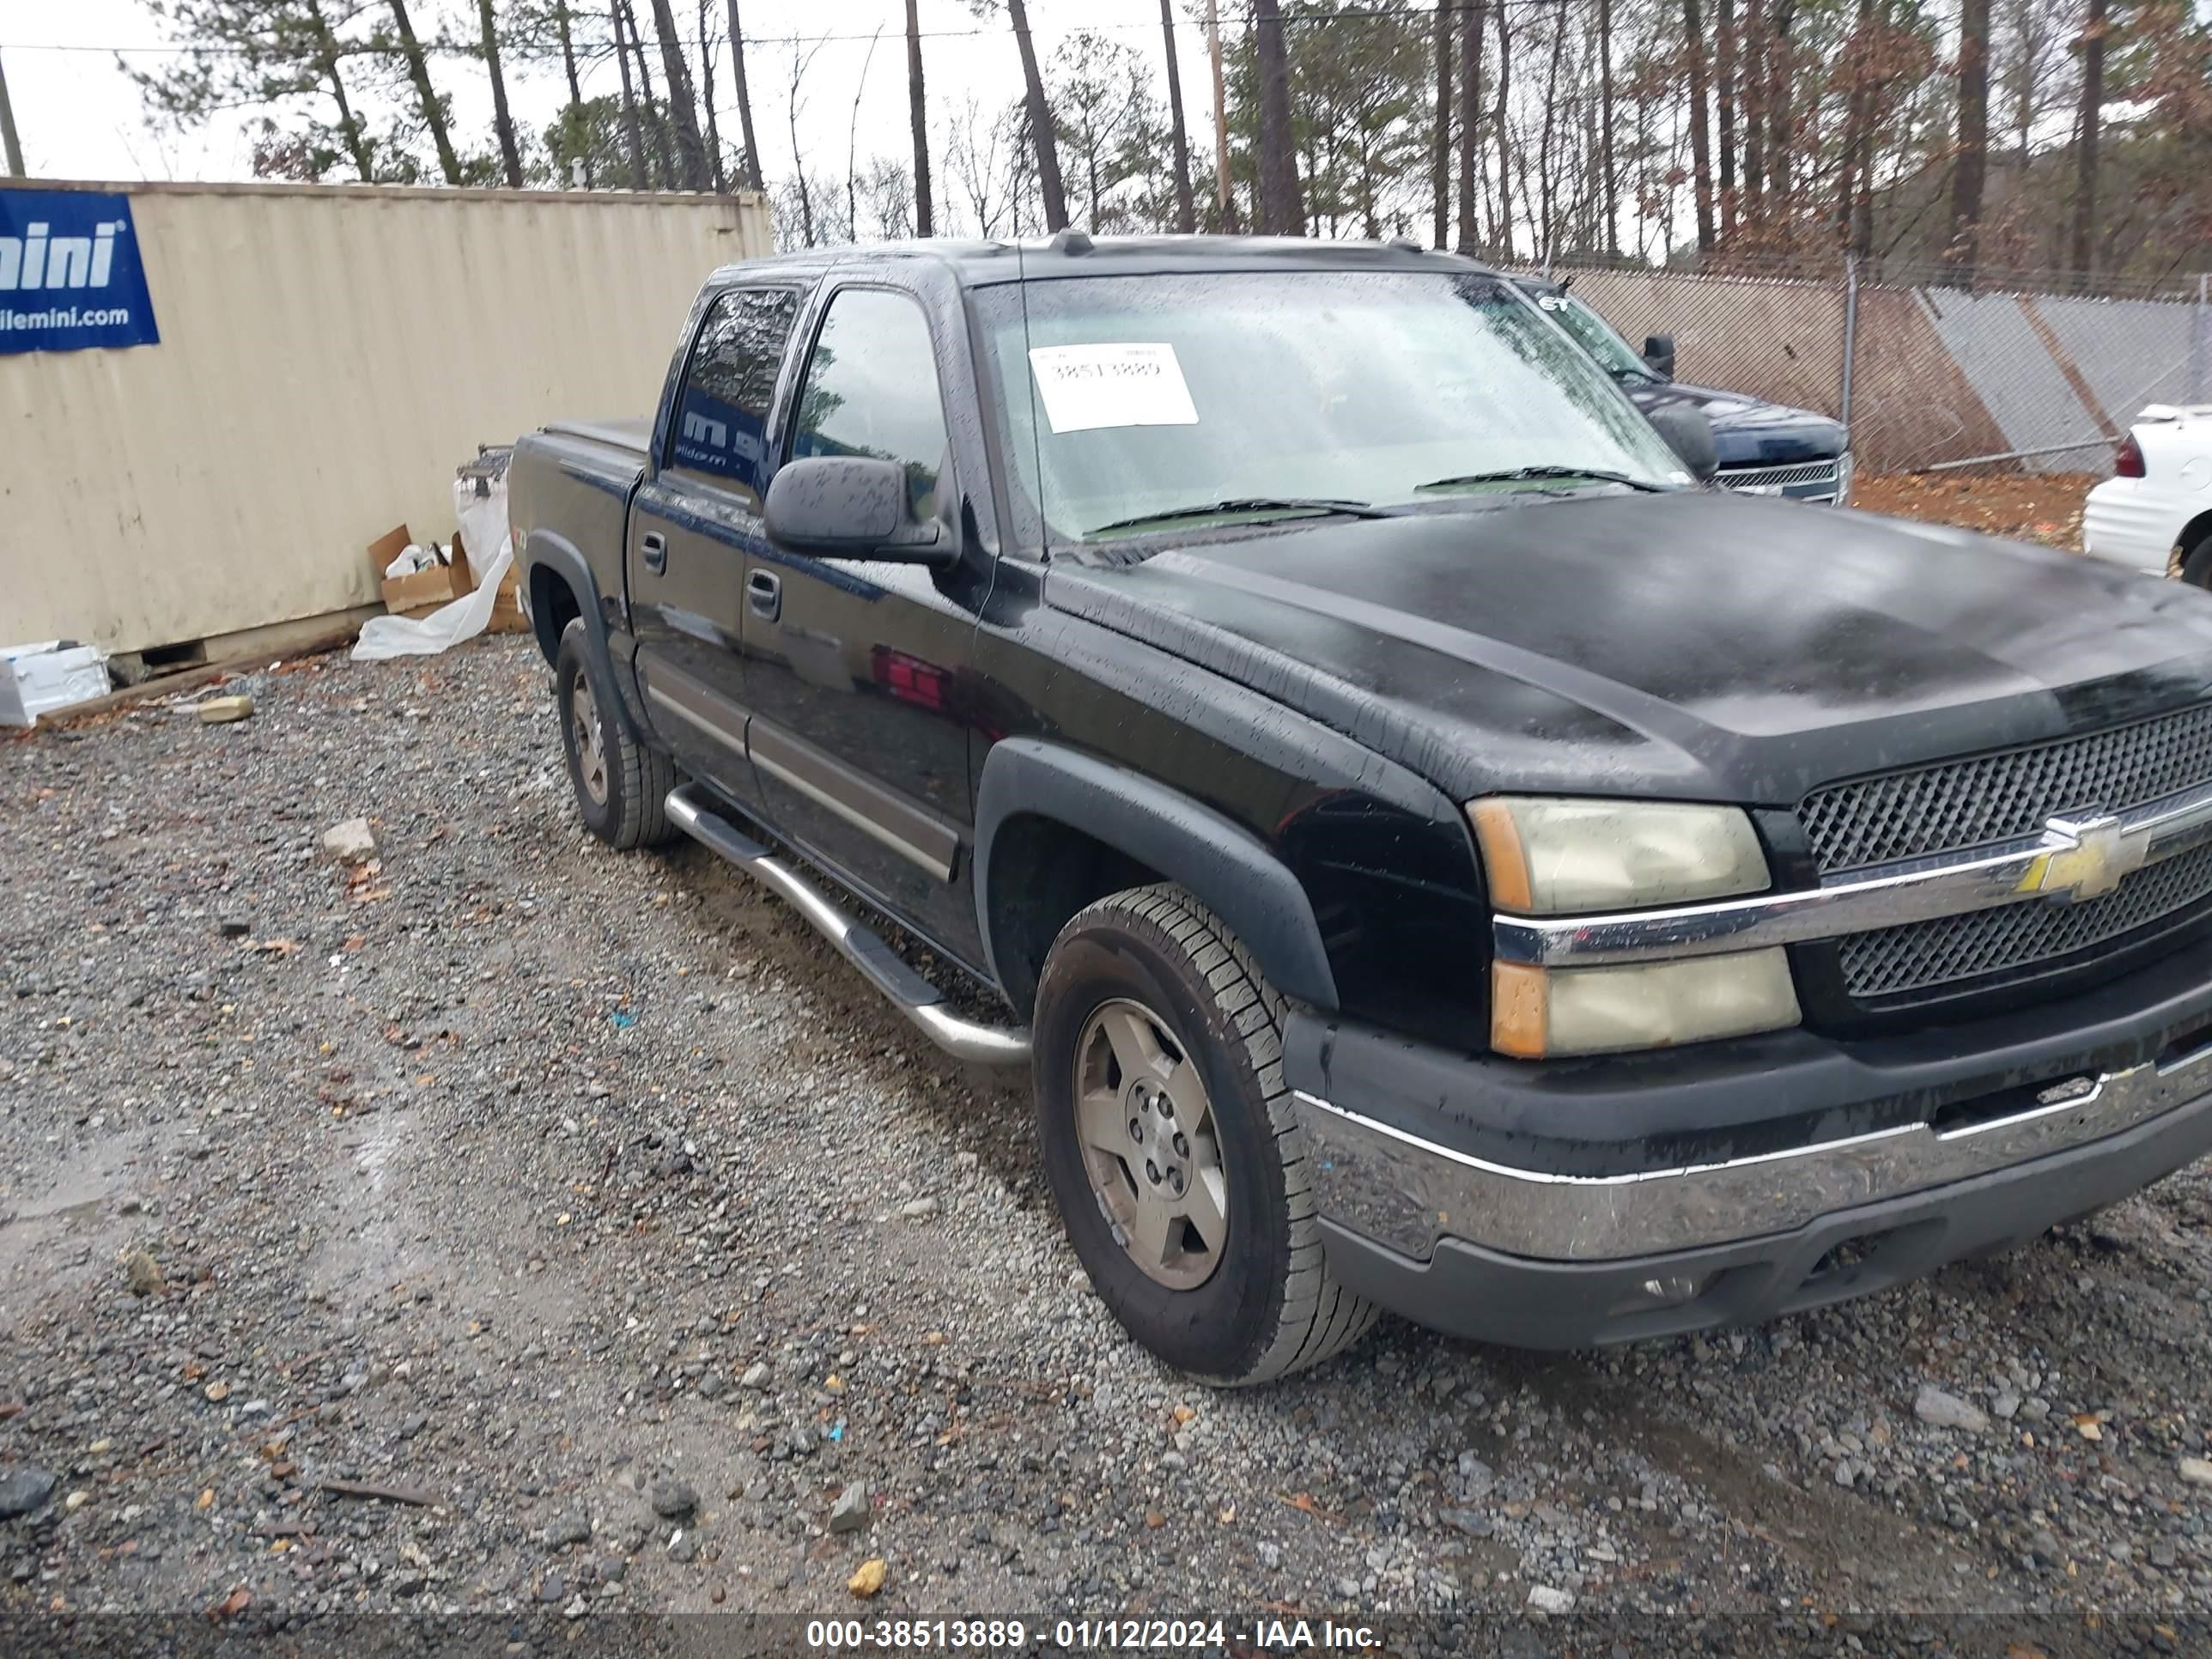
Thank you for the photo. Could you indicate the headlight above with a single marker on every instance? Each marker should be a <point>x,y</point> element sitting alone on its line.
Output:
<point>1547,856</point>
<point>1537,1012</point>
<point>1843,479</point>
<point>1558,857</point>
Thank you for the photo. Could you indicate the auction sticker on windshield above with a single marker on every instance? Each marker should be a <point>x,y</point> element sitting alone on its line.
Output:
<point>1125,383</point>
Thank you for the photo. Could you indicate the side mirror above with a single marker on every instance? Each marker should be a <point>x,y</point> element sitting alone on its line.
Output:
<point>1659,354</point>
<point>846,506</point>
<point>1690,436</point>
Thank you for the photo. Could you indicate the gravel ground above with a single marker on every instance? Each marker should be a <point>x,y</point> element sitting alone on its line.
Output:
<point>588,1211</point>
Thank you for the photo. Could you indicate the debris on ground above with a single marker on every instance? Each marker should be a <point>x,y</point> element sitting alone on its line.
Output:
<point>222,711</point>
<point>2028,507</point>
<point>350,841</point>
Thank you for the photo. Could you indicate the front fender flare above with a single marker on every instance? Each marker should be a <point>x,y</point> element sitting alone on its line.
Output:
<point>1228,867</point>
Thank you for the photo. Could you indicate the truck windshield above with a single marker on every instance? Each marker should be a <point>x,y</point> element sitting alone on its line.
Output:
<point>1598,337</point>
<point>1145,403</point>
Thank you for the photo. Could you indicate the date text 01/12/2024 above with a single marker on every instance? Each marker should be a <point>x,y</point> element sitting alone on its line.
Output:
<point>1085,1635</point>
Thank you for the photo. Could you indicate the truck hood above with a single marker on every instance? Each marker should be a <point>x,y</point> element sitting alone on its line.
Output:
<point>1747,432</point>
<point>1697,645</point>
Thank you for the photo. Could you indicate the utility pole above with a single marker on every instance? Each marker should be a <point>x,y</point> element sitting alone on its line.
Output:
<point>8,128</point>
<point>1221,191</point>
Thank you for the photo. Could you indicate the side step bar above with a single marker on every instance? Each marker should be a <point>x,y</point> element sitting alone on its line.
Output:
<point>697,816</point>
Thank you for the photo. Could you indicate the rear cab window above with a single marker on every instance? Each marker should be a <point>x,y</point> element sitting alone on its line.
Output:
<point>720,432</point>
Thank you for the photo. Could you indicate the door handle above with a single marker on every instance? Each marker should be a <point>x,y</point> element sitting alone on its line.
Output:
<point>653,547</point>
<point>764,594</point>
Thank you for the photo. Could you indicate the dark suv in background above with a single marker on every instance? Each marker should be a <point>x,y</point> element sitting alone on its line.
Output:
<point>1765,449</point>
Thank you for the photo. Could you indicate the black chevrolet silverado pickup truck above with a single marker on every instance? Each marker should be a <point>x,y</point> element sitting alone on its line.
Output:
<point>1433,852</point>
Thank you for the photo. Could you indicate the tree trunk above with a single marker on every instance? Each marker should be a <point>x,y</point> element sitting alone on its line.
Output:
<point>1972,169</point>
<point>560,22</point>
<point>691,151</point>
<point>1548,191</point>
<point>1752,70</point>
<point>656,119</point>
<point>1440,152</point>
<point>1857,118</point>
<point>1724,99</point>
<point>1701,154</point>
<point>510,158</point>
<point>1610,179</point>
<point>1047,152</point>
<point>1780,134</point>
<point>633,132</point>
<point>1470,126</point>
<point>707,104</point>
<point>916,108</point>
<point>1224,189</point>
<point>1503,236</point>
<point>752,175</point>
<point>1468,117</point>
<point>426,96</point>
<point>798,156</point>
<point>1185,206</point>
<point>349,123</point>
<point>1281,211</point>
<point>2084,144</point>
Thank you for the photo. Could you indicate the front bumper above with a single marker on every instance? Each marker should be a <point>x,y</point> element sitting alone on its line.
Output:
<point>1538,1206</point>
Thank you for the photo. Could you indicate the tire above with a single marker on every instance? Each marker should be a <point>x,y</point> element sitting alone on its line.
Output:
<point>621,787</point>
<point>2196,564</point>
<point>1153,967</point>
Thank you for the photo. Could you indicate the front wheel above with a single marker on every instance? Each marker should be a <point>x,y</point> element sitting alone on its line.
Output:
<point>1172,1145</point>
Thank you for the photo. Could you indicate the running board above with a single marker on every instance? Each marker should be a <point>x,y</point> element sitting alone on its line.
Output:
<point>696,815</point>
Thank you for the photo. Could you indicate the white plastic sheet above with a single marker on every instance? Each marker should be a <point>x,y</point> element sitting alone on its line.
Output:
<point>483,519</point>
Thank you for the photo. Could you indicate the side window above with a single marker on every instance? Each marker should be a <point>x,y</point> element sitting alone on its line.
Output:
<point>871,389</point>
<point>722,408</point>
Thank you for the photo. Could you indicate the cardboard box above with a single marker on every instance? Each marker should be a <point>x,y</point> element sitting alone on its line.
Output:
<point>39,679</point>
<point>424,591</point>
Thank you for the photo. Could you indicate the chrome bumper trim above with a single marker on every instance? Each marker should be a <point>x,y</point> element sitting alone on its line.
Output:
<point>1409,1194</point>
<point>1918,890</point>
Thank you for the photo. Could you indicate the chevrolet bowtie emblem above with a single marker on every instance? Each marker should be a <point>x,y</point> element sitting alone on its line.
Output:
<point>2086,858</point>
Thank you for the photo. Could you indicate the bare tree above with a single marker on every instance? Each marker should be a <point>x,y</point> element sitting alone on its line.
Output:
<point>853,140</point>
<point>426,96</point>
<point>706,102</point>
<point>1724,102</point>
<point>690,150</point>
<point>1781,133</point>
<point>1185,206</point>
<point>1440,150</point>
<point>752,175</point>
<point>2085,141</point>
<point>510,156</point>
<point>1608,181</point>
<point>655,118</point>
<point>633,131</point>
<point>1972,169</point>
<point>1504,231</point>
<point>1039,106</point>
<point>916,114</point>
<point>1282,213</point>
<point>800,63</point>
<point>1470,125</point>
<point>1701,157</point>
<point>1753,70</point>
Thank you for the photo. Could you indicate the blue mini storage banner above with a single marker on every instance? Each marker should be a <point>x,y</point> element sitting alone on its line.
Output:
<point>69,272</point>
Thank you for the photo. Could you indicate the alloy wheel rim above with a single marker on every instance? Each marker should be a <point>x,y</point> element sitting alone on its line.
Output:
<point>590,747</point>
<point>1149,1145</point>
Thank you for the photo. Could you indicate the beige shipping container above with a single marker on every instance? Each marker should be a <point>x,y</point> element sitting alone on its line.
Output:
<point>328,355</point>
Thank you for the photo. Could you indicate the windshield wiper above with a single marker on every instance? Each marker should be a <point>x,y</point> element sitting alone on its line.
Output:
<point>1508,475</point>
<point>1248,504</point>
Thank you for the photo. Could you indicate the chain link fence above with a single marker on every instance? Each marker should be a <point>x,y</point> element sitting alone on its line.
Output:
<point>2024,371</point>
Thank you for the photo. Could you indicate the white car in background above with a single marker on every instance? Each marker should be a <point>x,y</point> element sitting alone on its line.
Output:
<point>2156,513</point>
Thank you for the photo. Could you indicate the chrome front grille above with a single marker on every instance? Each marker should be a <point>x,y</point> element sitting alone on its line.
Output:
<point>1923,955</point>
<point>1799,477</point>
<point>1957,805</point>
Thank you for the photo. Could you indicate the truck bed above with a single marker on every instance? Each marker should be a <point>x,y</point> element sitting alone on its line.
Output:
<point>573,480</point>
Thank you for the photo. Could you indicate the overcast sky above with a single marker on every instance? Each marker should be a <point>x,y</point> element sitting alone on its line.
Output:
<point>80,117</point>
